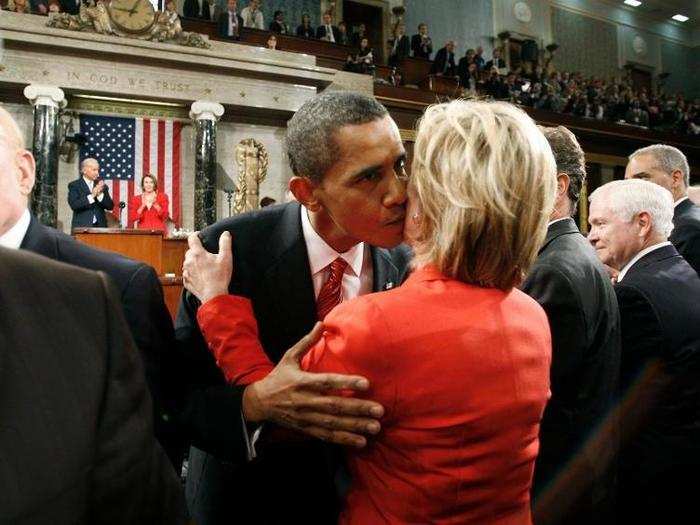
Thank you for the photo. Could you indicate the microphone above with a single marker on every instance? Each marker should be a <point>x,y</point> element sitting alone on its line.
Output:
<point>122,205</point>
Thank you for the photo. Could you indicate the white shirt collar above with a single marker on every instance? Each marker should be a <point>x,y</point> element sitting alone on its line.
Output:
<point>13,237</point>
<point>557,220</point>
<point>321,255</point>
<point>680,200</point>
<point>88,182</point>
<point>641,254</point>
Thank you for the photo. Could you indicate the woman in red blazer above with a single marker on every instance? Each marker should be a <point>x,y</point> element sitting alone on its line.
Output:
<point>458,357</point>
<point>150,209</point>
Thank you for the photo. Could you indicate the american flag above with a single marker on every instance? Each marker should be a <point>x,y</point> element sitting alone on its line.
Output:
<point>127,149</point>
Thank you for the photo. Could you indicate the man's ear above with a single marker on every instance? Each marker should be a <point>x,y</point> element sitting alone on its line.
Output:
<point>563,182</point>
<point>644,222</point>
<point>303,189</point>
<point>26,171</point>
<point>678,178</point>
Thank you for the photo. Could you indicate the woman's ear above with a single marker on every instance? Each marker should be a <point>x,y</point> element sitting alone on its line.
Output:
<point>303,190</point>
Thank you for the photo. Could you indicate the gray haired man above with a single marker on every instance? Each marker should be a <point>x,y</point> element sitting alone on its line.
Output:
<point>668,167</point>
<point>657,292</point>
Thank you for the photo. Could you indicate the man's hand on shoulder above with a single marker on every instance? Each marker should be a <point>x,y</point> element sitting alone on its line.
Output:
<point>299,400</point>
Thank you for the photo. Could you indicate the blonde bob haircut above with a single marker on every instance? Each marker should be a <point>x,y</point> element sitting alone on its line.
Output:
<point>485,178</point>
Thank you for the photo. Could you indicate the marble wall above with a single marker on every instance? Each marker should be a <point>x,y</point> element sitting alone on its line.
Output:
<point>585,44</point>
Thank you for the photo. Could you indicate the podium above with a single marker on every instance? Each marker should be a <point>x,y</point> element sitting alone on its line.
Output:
<point>165,255</point>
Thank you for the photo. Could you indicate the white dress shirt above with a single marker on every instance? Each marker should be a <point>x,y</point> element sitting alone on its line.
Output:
<point>357,279</point>
<point>329,33</point>
<point>233,28</point>
<point>679,201</point>
<point>641,254</point>
<point>252,18</point>
<point>90,197</point>
<point>557,220</point>
<point>13,237</point>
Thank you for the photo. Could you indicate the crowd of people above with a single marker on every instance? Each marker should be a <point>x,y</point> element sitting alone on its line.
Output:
<point>563,379</point>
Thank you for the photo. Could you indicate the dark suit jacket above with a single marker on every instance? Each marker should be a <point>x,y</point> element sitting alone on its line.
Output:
<point>222,25</point>
<point>417,48</point>
<point>83,211</point>
<point>141,296</point>
<point>272,269</point>
<point>572,286</point>
<point>77,436</point>
<point>660,315</point>
<point>402,51</point>
<point>191,9</point>
<point>686,232</point>
<point>70,6</point>
<point>441,58</point>
<point>305,32</point>
<point>321,32</point>
<point>276,27</point>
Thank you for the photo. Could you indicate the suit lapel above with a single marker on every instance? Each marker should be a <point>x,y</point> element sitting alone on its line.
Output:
<point>288,278</point>
<point>38,240</point>
<point>386,275</point>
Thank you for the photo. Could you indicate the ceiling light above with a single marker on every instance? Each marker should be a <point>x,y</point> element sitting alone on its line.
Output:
<point>680,18</point>
<point>633,3</point>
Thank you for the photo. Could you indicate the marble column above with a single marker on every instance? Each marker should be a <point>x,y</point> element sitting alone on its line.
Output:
<point>205,115</point>
<point>47,102</point>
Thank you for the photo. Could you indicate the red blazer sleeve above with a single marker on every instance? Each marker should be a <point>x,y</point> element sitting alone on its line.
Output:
<point>162,200</point>
<point>134,206</point>
<point>231,332</point>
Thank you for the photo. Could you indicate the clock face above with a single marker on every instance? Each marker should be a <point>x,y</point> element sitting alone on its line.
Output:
<point>132,16</point>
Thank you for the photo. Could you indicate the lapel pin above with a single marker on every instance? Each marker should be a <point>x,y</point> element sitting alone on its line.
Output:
<point>389,285</point>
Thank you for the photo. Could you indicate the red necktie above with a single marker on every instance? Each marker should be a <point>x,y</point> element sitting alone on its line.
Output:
<point>331,293</point>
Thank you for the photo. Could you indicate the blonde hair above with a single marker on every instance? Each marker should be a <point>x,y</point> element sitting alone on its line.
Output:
<point>485,177</point>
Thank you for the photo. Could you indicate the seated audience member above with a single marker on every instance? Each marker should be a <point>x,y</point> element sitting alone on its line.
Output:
<point>422,44</point>
<point>39,7</point>
<point>479,58</point>
<point>150,209</point>
<point>463,66</point>
<point>278,25</point>
<point>470,80</point>
<point>74,386</point>
<point>471,412</point>
<point>496,61</point>
<point>89,197</point>
<point>657,292</point>
<point>230,22</point>
<point>267,201</point>
<point>54,6</point>
<point>252,15</point>
<point>343,36</point>
<point>305,29</point>
<point>363,61</point>
<point>637,116</point>
<point>72,7</point>
<point>444,64</point>
<point>271,42</point>
<point>668,167</point>
<point>574,478</point>
<point>400,46</point>
<point>203,9</point>
<point>358,35</point>
<point>327,31</point>
<point>137,283</point>
<point>20,6</point>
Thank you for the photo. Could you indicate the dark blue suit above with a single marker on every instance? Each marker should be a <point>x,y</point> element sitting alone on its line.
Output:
<point>84,213</point>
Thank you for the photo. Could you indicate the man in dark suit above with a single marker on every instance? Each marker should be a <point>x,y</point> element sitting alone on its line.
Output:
<point>400,46</point>
<point>139,289</point>
<point>77,438</point>
<point>668,167</point>
<point>574,474</point>
<point>197,9</point>
<point>444,64</point>
<point>230,22</point>
<point>88,197</point>
<point>327,31</point>
<point>657,292</point>
<point>281,254</point>
<point>422,44</point>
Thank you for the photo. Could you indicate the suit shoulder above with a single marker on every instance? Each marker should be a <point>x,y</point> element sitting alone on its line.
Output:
<point>246,226</point>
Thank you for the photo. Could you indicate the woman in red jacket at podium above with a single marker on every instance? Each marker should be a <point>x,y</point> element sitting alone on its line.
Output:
<point>150,209</point>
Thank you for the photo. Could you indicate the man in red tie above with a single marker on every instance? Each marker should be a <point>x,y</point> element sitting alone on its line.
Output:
<point>294,263</point>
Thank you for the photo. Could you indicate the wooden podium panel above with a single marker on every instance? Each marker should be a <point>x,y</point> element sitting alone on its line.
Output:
<point>164,255</point>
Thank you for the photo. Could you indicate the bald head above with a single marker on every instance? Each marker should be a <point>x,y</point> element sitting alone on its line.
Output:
<point>16,175</point>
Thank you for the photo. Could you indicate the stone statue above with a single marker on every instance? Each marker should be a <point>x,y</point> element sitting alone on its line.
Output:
<point>252,161</point>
